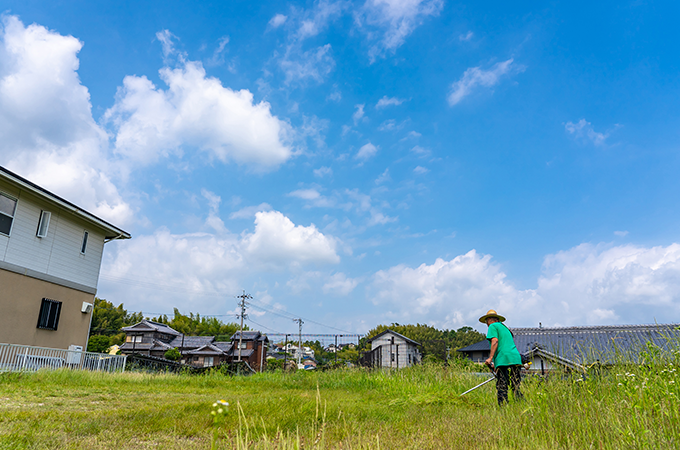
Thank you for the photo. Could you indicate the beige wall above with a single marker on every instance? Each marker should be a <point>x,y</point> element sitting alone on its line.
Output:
<point>20,300</point>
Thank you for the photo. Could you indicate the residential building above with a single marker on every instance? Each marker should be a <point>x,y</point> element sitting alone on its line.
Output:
<point>154,339</point>
<point>391,349</point>
<point>577,347</point>
<point>50,258</point>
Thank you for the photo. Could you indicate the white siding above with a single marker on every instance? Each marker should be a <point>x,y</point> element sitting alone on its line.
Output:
<point>58,253</point>
<point>401,350</point>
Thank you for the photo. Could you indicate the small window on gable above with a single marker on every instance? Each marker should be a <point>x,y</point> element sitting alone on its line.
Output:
<point>49,314</point>
<point>84,246</point>
<point>44,224</point>
<point>8,206</point>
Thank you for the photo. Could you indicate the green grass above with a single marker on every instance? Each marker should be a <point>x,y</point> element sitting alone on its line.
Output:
<point>417,408</point>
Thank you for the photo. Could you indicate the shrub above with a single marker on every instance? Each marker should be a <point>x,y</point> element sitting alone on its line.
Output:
<point>173,354</point>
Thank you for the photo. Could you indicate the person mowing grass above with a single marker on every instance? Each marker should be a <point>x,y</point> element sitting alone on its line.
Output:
<point>504,358</point>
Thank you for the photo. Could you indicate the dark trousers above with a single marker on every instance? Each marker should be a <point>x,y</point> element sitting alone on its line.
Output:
<point>506,375</point>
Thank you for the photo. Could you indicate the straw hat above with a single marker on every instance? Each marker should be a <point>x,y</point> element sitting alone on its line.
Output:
<point>491,313</point>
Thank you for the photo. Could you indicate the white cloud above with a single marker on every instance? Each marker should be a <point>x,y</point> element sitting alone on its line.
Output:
<point>420,151</point>
<point>277,20</point>
<point>278,241</point>
<point>448,294</point>
<point>384,177</point>
<point>621,233</point>
<point>358,114</point>
<point>218,55</point>
<point>249,211</point>
<point>392,21</point>
<point>301,66</point>
<point>323,171</point>
<point>317,19</point>
<point>165,37</point>
<point>588,284</point>
<point>47,133</point>
<point>366,151</point>
<point>474,77</point>
<point>378,218</point>
<point>389,125</point>
<point>420,170</point>
<point>306,194</point>
<point>466,37</point>
<point>195,111</point>
<point>339,284</point>
<point>388,101</point>
<point>585,132</point>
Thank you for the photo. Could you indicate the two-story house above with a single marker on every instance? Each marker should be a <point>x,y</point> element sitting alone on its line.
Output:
<point>50,257</point>
<point>391,349</point>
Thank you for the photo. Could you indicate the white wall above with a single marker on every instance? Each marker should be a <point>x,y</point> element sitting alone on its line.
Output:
<point>401,350</point>
<point>58,253</point>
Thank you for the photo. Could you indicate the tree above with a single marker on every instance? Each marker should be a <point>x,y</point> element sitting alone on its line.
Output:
<point>195,325</point>
<point>98,344</point>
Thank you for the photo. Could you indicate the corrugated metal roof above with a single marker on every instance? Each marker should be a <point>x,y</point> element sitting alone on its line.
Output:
<point>588,344</point>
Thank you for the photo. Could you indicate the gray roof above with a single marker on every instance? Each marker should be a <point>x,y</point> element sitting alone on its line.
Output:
<point>192,341</point>
<point>224,346</point>
<point>147,325</point>
<point>245,352</point>
<point>385,332</point>
<point>592,343</point>
<point>247,335</point>
<point>206,350</point>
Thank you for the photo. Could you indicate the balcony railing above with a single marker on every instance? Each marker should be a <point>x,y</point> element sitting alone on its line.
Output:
<point>18,358</point>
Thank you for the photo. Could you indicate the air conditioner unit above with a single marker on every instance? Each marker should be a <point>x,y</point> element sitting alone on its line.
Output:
<point>87,307</point>
<point>74,354</point>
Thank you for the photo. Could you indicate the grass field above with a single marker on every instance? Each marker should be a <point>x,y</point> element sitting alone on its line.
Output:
<point>417,408</point>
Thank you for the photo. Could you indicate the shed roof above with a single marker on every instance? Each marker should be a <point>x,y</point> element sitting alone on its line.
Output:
<point>247,335</point>
<point>394,333</point>
<point>206,350</point>
<point>112,231</point>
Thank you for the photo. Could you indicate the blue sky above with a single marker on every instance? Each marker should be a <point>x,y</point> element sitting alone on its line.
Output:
<point>361,163</point>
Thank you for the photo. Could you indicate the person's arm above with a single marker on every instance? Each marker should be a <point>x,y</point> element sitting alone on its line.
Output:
<point>494,347</point>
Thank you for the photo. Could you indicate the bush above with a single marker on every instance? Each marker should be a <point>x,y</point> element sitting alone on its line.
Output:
<point>173,354</point>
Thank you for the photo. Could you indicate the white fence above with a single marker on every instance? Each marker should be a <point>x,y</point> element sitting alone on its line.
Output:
<point>17,358</point>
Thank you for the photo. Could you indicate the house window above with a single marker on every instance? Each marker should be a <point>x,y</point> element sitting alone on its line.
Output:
<point>8,206</point>
<point>49,314</point>
<point>207,361</point>
<point>44,224</point>
<point>84,246</point>
<point>244,345</point>
<point>137,339</point>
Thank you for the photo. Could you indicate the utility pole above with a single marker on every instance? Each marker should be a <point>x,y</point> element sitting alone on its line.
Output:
<point>242,303</point>
<point>299,358</point>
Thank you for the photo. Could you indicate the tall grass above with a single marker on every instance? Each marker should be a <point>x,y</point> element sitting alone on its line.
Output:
<point>415,408</point>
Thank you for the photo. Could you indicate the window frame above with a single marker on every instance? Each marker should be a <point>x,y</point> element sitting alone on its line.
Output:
<point>13,216</point>
<point>43,215</point>
<point>48,317</point>
<point>83,246</point>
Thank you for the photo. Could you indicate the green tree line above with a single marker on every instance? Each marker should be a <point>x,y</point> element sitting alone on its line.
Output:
<point>434,342</point>
<point>109,320</point>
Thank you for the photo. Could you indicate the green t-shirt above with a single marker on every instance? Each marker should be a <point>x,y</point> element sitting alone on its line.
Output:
<point>506,354</point>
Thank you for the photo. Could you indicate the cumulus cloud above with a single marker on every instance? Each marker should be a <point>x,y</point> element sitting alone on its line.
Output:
<point>278,241</point>
<point>588,284</point>
<point>584,131</point>
<point>339,284</point>
<point>47,133</point>
<point>388,23</point>
<point>366,151</point>
<point>448,294</point>
<point>475,76</point>
<point>388,101</point>
<point>420,170</point>
<point>195,111</point>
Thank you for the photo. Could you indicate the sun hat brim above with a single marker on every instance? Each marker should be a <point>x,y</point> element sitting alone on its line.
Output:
<point>486,316</point>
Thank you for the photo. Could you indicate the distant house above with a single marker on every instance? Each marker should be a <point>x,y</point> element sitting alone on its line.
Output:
<point>50,257</point>
<point>391,349</point>
<point>154,339</point>
<point>577,347</point>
